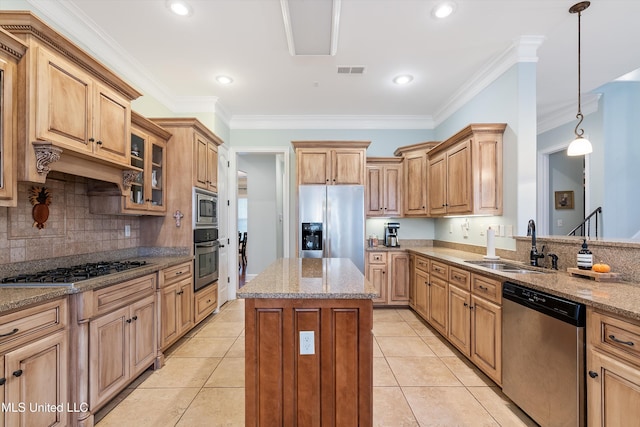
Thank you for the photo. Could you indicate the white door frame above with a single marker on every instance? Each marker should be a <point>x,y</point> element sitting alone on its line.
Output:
<point>543,225</point>
<point>233,211</point>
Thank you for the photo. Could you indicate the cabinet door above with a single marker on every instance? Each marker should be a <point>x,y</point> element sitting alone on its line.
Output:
<point>111,125</point>
<point>313,166</point>
<point>399,278</point>
<point>143,344</point>
<point>212,167</point>
<point>63,103</point>
<point>459,186</point>
<point>377,275</point>
<point>185,292</point>
<point>392,190</point>
<point>415,184</point>
<point>201,151</point>
<point>155,174</point>
<point>613,391</point>
<point>138,162</point>
<point>459,328</point>
<point>347,166</point>
<point>412,282</point>
<point>108,355</point>
<point>375,191</point>
<point>438,297</point>
<point>421,280</point>
<point>169,322</point>
<point>486,337</point>
<point>37,375</point>
<point>438,185</point>
<point>8,120</point>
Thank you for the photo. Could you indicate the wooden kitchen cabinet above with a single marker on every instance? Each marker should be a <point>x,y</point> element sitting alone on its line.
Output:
<point>34,364</point>
<point>122,336</point>
<point>415,177</point>
<point>475,320</point>
<point>421,284</point>
<point>438,296</point>
<point>147,193</point>
<point>383,187</point>
<point>75,113</point>
<point>176,303</point>
<point>13,51</point>
<point>331,162</point>
<point>333,386</point>
<point>205,302</point>
<point>613,369</point>
<point>206,163</point>
<point>465,172</point>
<point>389,273</point>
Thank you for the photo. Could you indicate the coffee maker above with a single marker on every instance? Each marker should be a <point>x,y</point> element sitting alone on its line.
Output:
<point>391,234</point>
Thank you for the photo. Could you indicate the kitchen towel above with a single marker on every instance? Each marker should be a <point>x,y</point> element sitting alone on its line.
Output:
<point>491,246</point>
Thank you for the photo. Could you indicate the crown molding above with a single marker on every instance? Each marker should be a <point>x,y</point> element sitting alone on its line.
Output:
<point>523,49</point>
<point>566,113</point>
<point>330,122</point>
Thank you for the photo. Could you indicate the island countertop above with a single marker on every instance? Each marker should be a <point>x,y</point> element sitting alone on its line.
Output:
<point>309,278</point>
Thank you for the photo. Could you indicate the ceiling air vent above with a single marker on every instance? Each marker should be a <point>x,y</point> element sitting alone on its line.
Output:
<point>351,70</point>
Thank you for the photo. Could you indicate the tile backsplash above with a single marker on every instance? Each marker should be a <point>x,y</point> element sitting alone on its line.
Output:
<point>70,228</point>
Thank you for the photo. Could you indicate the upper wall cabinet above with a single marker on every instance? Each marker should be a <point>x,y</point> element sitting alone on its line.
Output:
<point>465,172</point>
<point>384,187</point>
<point>331,162</point>
<point>11,51</point>
<point>75,113</point>
<point>415,177</point>
<point>206,162</point>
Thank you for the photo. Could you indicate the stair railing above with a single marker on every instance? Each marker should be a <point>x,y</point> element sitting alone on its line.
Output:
<point>587,222</point>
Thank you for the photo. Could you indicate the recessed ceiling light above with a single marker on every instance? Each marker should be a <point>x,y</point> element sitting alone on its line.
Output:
<point>403,79</point>
<point>443,10</point>
<point>224,80</point>
<point>180,7</point>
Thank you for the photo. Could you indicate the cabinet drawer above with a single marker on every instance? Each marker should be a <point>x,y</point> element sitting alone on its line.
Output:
<point>439,269</point>
<point>173,274</point>
<point>377,258</point>
<point>487,288</point>
<point>422,264</point>
<point>460,278</point>
<point>206,301</point>
<point>614,335</point>
<point>116,296</point>
<point>33,322</point>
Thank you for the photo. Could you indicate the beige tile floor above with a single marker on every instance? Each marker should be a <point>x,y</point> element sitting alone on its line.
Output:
<point>419,380</point>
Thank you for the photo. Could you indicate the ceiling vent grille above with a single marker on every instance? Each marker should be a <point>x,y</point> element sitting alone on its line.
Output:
<point>351,70</point>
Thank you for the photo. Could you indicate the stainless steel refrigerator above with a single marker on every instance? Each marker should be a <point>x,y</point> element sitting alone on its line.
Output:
<point>331,222</point>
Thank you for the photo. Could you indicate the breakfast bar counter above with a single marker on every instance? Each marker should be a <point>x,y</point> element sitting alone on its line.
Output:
<point>308,344</point>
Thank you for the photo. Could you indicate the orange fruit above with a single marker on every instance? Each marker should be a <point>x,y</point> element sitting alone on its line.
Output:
<point>601,268</point>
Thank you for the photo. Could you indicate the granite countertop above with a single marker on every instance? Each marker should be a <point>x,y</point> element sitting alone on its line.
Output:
<point>622,298</point>
<point>309,278</point>
<point>15,297</point>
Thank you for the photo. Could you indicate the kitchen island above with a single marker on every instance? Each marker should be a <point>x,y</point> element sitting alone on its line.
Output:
<point>308,344</point>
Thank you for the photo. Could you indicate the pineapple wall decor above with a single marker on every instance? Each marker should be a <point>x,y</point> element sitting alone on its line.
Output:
<point>40,199</point>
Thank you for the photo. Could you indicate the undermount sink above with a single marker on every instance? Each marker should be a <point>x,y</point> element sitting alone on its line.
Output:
<point>505,267</point>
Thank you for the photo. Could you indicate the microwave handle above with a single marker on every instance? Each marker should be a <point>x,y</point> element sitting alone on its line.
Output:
<point>206,245</point>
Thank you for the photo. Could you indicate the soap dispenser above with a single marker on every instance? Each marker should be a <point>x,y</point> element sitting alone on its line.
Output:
<point>585,257</point>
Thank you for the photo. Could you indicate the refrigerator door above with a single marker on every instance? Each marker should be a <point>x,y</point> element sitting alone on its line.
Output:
<point>345,223</point>
<point>312,202</point>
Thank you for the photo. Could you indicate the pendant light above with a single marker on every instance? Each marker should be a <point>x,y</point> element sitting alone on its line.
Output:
<point>579,146</point>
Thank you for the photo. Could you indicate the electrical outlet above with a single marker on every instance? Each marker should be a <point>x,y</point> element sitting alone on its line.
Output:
<point>307,342</point>
<point>127,231</point>
<point>501,229</point>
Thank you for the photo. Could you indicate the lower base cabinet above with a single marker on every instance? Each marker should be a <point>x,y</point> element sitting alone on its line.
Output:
<point>34,364</point>
<point>389,273</point>
<point>206,302</point>
<point>613,370</point>
<point>333,386</point>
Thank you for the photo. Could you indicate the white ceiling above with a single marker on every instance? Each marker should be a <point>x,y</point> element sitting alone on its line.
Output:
<point>177,59</point>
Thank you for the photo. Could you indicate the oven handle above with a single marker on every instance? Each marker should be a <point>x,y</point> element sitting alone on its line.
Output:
<point>206,245</point>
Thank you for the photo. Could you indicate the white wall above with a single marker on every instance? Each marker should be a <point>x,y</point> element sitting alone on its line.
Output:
<point>565,174</point>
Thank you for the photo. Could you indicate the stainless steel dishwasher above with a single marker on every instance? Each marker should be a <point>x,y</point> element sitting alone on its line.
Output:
<point>543,355</point>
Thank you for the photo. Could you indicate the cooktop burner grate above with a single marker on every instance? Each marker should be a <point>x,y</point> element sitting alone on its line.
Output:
<point>74,273</point>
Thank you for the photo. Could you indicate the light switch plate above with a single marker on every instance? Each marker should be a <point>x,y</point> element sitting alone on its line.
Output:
<point>307,342</point>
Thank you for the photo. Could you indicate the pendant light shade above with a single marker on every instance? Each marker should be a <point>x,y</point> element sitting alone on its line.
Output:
<point>579,146</point>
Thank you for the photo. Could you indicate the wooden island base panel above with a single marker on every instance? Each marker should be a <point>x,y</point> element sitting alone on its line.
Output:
<point>333,386</point>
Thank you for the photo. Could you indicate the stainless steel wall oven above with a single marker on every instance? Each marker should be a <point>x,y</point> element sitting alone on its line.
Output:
<point>206,247</point>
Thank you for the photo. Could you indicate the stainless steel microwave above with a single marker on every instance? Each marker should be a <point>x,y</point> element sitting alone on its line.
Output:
<point>205,208</point>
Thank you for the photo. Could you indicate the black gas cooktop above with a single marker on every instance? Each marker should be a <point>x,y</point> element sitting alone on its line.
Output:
<point>76,273</point>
